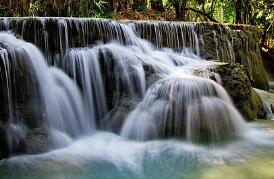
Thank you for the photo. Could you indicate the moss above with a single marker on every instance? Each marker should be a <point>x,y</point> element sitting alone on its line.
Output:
<point>236,44</point>
<point>236,82</point>
<point>248,113</point>
<point>257,105</point>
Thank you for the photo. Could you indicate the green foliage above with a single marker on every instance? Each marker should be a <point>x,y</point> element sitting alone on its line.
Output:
<point>255,12</point>
<point>88,8</point>
<point>140,7</point>
<point>100,9</point>
<point>229,13</point>
<point>100,14</point>
<point>35,8</point>
<point>100,4</point>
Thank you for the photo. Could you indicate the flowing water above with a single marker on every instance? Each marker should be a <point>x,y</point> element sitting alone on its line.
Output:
<point>267,102</point>
<point>183,123</point>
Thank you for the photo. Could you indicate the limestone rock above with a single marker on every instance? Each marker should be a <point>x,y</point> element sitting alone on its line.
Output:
<point>235,80</point>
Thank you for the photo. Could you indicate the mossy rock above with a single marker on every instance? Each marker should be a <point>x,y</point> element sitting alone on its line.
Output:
<point>235,80</point>
<point>236,45</point>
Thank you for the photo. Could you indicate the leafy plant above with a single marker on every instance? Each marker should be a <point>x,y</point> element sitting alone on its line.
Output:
<point>140,7</point>
<point>100,4</point>
<point>35,8</point>
<point>101,14</point>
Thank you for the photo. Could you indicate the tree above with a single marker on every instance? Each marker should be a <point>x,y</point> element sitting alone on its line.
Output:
<point>157,5</point>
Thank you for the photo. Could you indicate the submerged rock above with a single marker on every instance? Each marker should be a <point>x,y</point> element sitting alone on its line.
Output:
<point>126,103</point>
<point>184,107</point>
<point>117,116</point>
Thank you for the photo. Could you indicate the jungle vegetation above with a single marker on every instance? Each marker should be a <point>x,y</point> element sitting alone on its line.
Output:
<point>252,12</point>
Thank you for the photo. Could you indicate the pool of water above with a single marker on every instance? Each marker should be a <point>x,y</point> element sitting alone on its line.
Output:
<point>106,155</point>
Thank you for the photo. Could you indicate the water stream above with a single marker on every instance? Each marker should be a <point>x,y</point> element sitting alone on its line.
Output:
<point>183,123</point>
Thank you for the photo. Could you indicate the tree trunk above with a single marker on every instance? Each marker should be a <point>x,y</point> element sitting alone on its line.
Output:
<point>177,9</point>
<point>25,4</point>
<point>180,8</point>
<point>183,9</point>
<point>238,9</point>
<point>157,5</point>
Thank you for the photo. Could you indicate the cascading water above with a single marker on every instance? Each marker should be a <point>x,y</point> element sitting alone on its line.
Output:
<point>267,108</point>
<point>184,106</point>
<point>84,68</point>
<point>172,107</point>
<point>14,127</point>
<point>62,100</point>
<point>96,64</point>
<point>267,100</point>
<point>124,67</point>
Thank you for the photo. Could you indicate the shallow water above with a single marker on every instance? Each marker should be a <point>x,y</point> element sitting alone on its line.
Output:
<point>105,155</point>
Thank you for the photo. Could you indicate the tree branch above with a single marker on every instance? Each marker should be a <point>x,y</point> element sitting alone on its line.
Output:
<point>201,13</point>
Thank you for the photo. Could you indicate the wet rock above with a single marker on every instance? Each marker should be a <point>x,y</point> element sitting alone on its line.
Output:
<point>21,112</point>
<point>235,80</point>
<point>37,140</point>
<point>127,103</point>
<point>236,45</point>
<point>191,108</point>
<point>266,96</point>
<point>226,43</point>
<point>268,61</point>
<point>4,151</point>
<point>118,115</point>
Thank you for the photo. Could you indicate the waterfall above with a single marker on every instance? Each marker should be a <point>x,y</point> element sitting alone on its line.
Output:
<point>189,107</point>
<point>268,110</point>
<point>7,78</point>
<point>84,68</point>
<point>267,100</point>
<point>91,66</point>
<point>72,32</point>
<point>14,127</point>
<point>121,99</point>
<point>63,103</point>
<point>226,43</point>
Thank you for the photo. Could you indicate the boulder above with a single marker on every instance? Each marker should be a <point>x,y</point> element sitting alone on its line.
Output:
<point>127,103</point>
<point>235,80</point>
<point>267,97</point>
<point>236,44</point>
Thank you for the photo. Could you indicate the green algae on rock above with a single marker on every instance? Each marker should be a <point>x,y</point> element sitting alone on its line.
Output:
<point>235,80</point>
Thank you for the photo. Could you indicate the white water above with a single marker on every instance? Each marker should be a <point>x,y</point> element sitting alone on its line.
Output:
<point>84,67</point>
<point>184,106</point>
<point>177,105</point>
<point>172,107</point>
<point>7,72</point>
<point>268,101</point>
<point>123,68</point>
<point>63,103</point>
<point>106,155</point>
<point>269,112</point>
